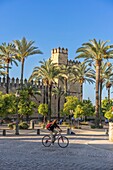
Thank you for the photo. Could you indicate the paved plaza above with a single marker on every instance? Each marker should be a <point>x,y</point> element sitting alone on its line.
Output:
<point>88,150</point>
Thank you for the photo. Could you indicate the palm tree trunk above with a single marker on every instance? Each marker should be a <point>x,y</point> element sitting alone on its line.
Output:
<point>65,88</point>
<point>49,102</point>
<point>46,94</point>
<point>100,99</point>
<point>44,90</point>
<point>58,108</point>
<point>81,92</point>
<point>109,95</point>
<point>22,73</point>
<point>7,83</point>
<point>98,63</point>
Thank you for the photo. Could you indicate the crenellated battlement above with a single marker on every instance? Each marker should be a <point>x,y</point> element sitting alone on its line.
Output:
<point>15,83</point>
<point>59,50</point>
<point>58,56</point>
<point>73,62</point>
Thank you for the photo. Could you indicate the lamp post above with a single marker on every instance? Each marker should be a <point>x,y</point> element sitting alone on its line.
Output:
<point>17,120</point>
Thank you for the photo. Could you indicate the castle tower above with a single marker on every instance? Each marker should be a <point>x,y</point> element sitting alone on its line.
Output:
<point>59,55</point>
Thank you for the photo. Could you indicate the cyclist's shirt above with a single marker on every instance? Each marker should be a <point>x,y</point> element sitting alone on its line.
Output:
<point>53,126</point>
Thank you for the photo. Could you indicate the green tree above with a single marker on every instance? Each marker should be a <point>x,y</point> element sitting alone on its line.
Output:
<point>96,51</point>
<point>71,103</point>
<point>84,109</point>
<point>79,111</point>
<point>43,110</point>
<point>88,108</point>
<point>106,105</point>
<point>7,105</point>
<point>24,49</point>
<point>107,109</point>
<point>25,105</point>
<point>109,115</point>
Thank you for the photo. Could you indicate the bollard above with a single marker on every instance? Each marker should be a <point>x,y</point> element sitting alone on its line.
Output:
<point>68,131</point>
<point>38,131</point>
<point>106,131</point>
<point>4,132</point>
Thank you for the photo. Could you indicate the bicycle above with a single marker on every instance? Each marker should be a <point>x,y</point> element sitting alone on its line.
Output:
<point>63,141</point>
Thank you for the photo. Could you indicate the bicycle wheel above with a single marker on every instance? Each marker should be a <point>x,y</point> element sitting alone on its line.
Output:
<point>63,141</point>
<point>46,140</point>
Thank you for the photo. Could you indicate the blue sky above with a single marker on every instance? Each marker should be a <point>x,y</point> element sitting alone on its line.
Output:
<point>56,23</point>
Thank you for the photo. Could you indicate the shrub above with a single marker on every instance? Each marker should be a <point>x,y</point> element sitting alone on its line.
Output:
<point>99,127</point>
<point>65,123</point>
<point>23,125</point>
<point>76,127</point>
<point>93,126</point>
<point>11,125</point>
<point>43,125</point>
<point>84,123</point>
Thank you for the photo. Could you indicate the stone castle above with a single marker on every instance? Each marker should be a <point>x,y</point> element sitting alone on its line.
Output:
<point>58,56</point>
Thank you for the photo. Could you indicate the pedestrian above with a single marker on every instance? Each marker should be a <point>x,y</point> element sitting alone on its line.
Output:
<point>61,121</point>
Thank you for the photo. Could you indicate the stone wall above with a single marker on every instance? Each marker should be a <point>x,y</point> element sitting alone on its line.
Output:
<point>58,56</point>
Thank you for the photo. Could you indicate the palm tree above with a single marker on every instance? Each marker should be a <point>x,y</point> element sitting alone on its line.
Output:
<point>58,92</point>
<point>8,55</point>
<point>25,49</point>
<point>32,91</point>
<point>49,73</point>
<point>81,73</point>
<point>109,82</point>
<point>2,67</point>
<point>97,51</point>
<point>64,76</point>
<point>105,79</point>
<point>45,91</point>
<point>108,86</point>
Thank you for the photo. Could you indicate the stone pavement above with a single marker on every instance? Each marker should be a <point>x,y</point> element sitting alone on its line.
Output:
<point>88,150</point>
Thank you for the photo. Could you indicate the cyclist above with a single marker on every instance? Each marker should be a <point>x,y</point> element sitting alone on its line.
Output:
<point>52,127</point>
